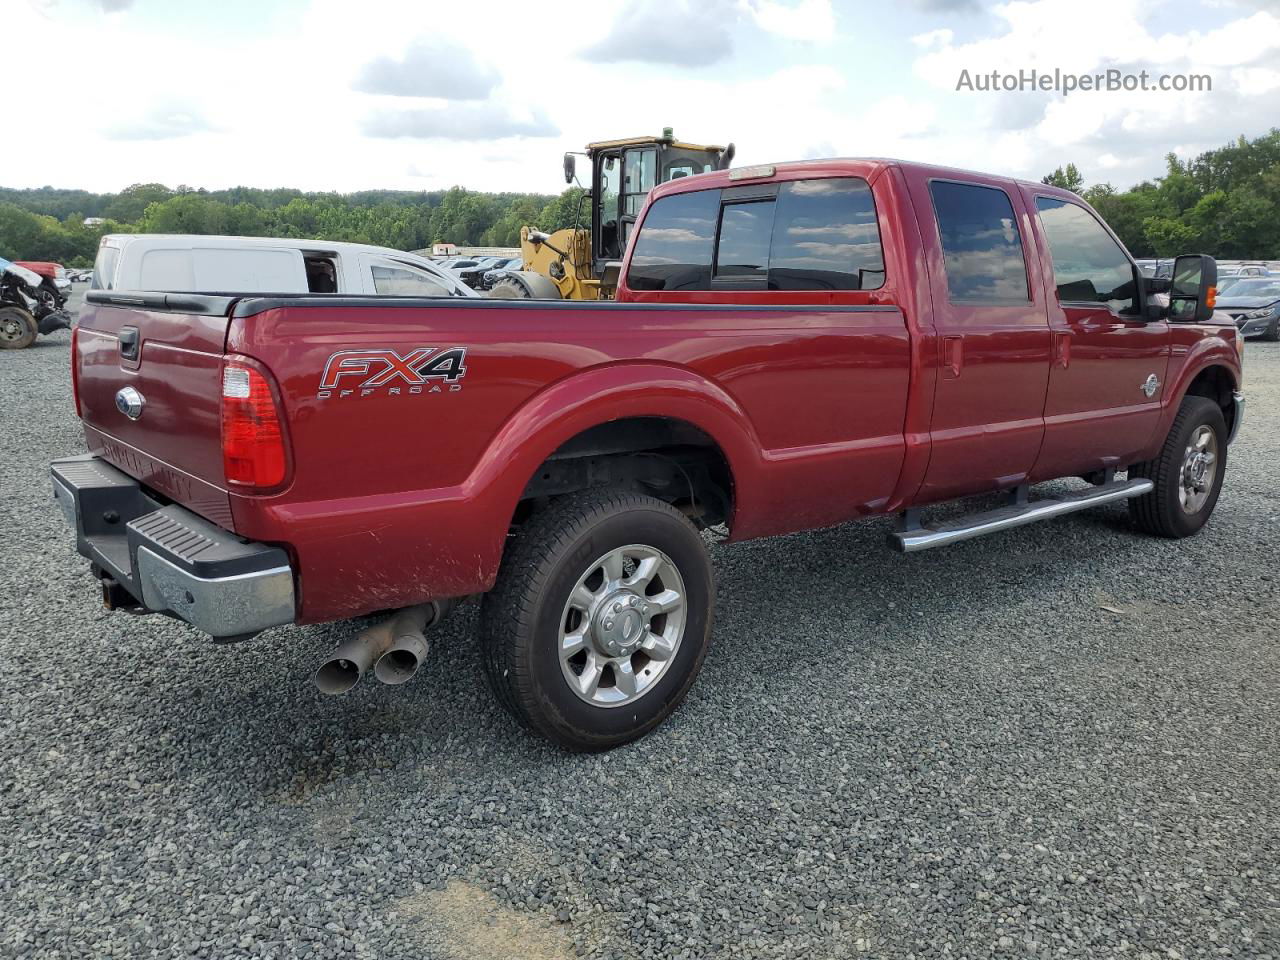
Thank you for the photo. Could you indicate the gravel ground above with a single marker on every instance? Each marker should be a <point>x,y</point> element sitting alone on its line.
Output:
<point>1062,741</point>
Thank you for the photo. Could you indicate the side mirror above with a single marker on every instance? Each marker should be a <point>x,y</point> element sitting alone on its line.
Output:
<point>1194,291</point>
<point>570,167</point>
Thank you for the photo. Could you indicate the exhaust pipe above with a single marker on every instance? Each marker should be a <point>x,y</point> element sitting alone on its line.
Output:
<point>400,635</point>
<point>408,645</point>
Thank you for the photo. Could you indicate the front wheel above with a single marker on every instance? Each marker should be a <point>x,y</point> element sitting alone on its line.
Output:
<point>1187,473</point>
<point>17,328</point>
<point>1272,332</point>
<point>600,619</point>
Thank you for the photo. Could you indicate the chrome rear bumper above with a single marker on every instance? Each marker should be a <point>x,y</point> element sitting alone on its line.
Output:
<point>167,559</point>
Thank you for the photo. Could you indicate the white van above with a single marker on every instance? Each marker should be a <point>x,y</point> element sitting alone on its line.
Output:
<point>172,263</point>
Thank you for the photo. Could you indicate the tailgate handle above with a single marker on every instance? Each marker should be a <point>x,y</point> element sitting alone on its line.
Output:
<point>129,343</point>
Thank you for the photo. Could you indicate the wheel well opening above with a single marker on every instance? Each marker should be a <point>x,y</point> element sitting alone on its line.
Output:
<point>665,458</point>
<point>1216,384</point>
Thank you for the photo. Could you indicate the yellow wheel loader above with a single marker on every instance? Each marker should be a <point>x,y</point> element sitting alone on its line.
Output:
<point>582,262</point>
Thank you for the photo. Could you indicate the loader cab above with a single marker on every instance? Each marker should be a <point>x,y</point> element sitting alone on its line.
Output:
<point>623,173</point>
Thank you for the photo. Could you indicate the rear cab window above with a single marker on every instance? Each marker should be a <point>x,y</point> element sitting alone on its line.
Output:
<point>819,234</point>
<point>981,245</point>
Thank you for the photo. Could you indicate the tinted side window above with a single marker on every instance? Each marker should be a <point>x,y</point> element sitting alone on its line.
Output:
<point>676,242</point>
<point>981,247</point>
<point>743,251</point>
<point>1088,265</point>
<point>104,268</point>
<point>825,237</point>
<point>405,282</point>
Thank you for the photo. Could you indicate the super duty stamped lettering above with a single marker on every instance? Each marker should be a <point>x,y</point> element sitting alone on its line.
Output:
<point>423,370</point>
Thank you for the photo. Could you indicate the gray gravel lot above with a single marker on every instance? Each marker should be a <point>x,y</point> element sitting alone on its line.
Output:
<point>1063,741</point>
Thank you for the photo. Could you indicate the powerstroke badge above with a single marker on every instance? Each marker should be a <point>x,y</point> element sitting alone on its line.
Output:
<point>423,370</point>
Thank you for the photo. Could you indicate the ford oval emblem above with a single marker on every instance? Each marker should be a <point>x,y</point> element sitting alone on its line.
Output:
<point>130,402</point>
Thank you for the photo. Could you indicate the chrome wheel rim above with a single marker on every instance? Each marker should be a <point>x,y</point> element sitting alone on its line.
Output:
<point>10,329</point>
<point>1199,469</point>
<point>622,626</point>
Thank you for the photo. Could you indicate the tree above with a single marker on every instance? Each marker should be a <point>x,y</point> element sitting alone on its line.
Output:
<point>129,205</point>
<point>1224,202</point>
<point>1067,178</point>
<point>562,212</point>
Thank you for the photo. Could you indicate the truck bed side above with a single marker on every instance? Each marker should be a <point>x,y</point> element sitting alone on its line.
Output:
<point>402,487</point>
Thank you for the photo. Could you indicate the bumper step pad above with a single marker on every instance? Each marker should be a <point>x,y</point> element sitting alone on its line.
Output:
<point>170,559</point>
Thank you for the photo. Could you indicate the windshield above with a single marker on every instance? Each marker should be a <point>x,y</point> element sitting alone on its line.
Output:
<point>1256,288</point>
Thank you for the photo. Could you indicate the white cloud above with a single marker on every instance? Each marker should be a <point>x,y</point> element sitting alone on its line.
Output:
<point>461,121</point>
<point>431,67</point>
<point>812,21</point>
<point>282,104</point>
<point>163,121</point>
<point>1106,132</point>
<point>695,33</point>
<point>933,38</point>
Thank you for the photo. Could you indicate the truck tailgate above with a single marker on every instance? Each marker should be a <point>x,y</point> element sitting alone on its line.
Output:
<point>149,368</point>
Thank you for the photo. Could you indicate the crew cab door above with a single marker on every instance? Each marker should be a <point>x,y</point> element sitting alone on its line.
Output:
<point>1109,363</point>
<point>992,335</point>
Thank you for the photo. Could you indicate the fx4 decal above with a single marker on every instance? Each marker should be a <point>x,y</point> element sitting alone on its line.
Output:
<point>389,373</point>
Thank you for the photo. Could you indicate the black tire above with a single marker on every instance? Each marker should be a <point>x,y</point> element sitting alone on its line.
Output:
<point>17,328</point>
<point>1161,512</point>
<point>521,618</point>
<point>48,296</point>
<point>1272,332</point>
<point>510,289</point>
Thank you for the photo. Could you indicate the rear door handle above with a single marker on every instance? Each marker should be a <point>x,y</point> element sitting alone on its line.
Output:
<point>952,357</point>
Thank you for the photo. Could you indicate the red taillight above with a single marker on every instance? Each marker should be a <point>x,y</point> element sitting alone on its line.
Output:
<point>252,437</point>
<point>75,368</point>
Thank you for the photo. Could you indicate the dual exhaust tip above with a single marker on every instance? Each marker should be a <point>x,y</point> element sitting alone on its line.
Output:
<point>393,649</point>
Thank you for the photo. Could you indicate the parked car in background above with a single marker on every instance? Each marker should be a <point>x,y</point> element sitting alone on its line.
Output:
<point>54,287</point>
<point>494,274</point>
<point>473,277</point>
<point>1253,303</point>
<point>458,263</point>
<point>175,263</point>
<point>1234,271</point>
<point>26,309</point>
<point>1162,269</point>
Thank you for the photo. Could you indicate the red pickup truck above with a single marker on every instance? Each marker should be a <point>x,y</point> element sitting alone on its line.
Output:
<point>792,346</point>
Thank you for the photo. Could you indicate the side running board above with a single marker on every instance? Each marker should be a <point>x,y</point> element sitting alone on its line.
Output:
<point>913,536</point>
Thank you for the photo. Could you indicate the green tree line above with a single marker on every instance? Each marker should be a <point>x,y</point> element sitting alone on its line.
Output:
<point>48,223</point>
<point>1224,202</point>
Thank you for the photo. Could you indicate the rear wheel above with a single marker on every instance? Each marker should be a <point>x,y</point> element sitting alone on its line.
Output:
<point>17,328</point>
<point>600,619</point>
<point>1187,473</point>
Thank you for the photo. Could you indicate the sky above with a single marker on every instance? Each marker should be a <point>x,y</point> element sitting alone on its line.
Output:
<point>425,95</point>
